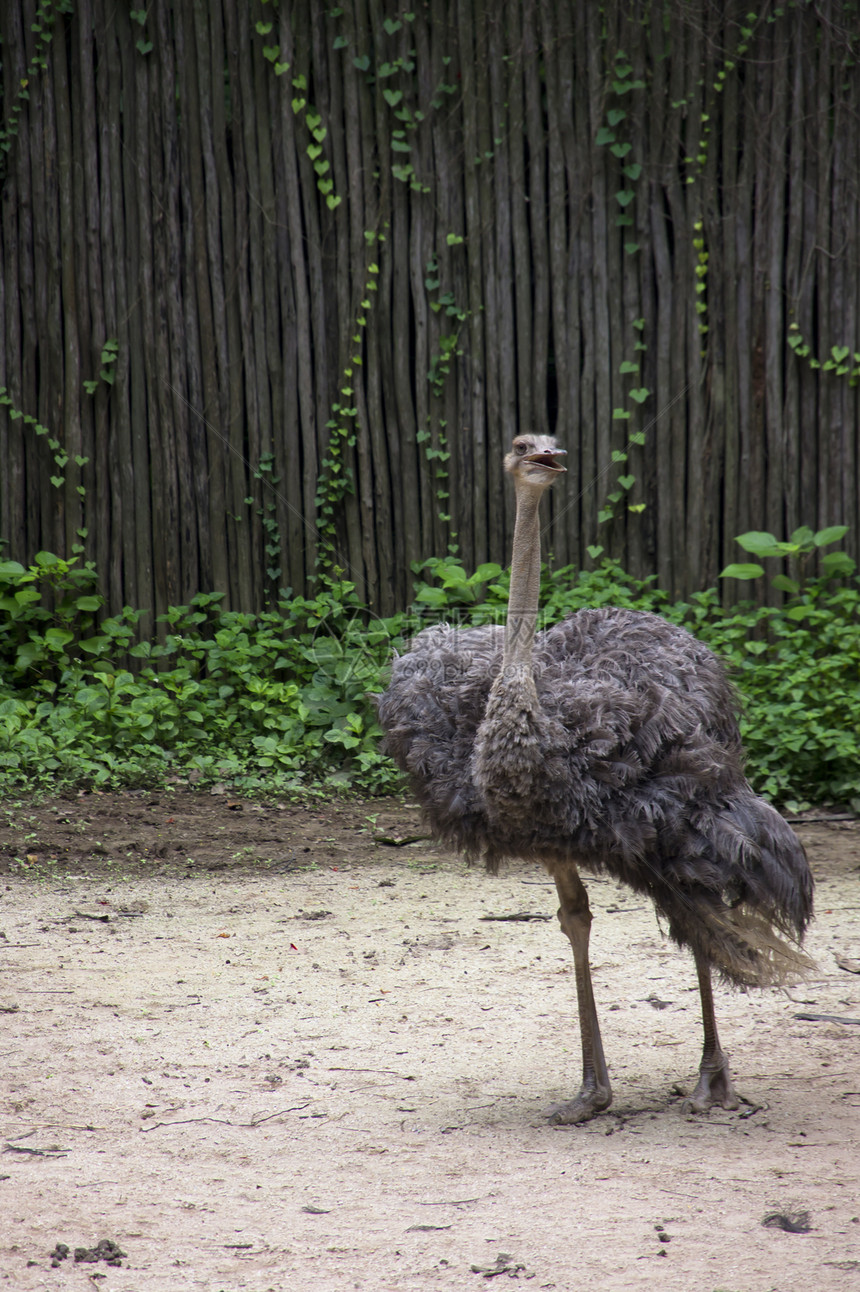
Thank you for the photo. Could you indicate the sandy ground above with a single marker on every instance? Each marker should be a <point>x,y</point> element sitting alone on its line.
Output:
<point>267,1047</point>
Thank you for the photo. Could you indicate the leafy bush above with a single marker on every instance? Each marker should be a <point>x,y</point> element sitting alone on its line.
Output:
<point>796,666</point>
<point>278,701</point>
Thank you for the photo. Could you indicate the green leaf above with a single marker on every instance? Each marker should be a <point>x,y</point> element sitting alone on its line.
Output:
<point>57,638</point>
<point>760,543</point>
<point>830,535</point>
<point>605,136</point>
<point>835,563</point>
<point>640,395</point>
<point>628,367</point>
<point>784,584</point>
<point>392,97</point>
<point>742,572</point>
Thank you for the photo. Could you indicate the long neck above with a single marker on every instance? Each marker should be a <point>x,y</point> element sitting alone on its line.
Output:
<point>525,581</point>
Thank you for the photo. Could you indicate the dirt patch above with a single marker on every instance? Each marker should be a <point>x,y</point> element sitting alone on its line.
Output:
<point>257,1046</point>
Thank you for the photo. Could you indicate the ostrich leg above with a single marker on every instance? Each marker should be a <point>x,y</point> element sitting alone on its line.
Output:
<point>575,918</point>
<point>715,1084</point>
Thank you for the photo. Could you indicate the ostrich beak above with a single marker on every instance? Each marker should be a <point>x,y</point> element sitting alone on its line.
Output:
<point>545,459</point>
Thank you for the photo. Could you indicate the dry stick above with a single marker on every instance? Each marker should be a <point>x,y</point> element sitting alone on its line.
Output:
<point>152,191</point>
<point>100,298</point>
<point>409,544</point>
<point>474,401</point>
<point>642,528</point>
<point>603,357</point>
<point>722,346</point>
<point>69,384</point>
<point>191,385</point>
<point>823,267</point>
<point>81,133</point>
<point>708,391</point>
<point>274,329</point>
<point>743,330</point>
<point>47,290</point>
<point>433,530</point>
<point>251,302</point>
<point>536,136</point>
<point>449,217</point>
<point>139,365</point>
<point>638,542</point>
<point>842,303</point>
<point>581,525</point>
<point>342,247</point>
<point>356,255</point>
<point>232,256</point>
<point>284,349</point>
<point>514,128</point>
<point>503,424</point>
<point>305,464</point>
<point>774,317</point>
<point>496,495</point>
<point>379,446</point>
<point>223,1121</point>
<point>794,235</point>
<point>20,489</point>
<point>692,445</point>
<point>199,320</point>
<point>208,113</point>
<point>323,347</point>
<point>662,134</point>
<point>183,572</point>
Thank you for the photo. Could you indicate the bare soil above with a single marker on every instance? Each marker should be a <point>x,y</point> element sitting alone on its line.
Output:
<point>261,1046</point>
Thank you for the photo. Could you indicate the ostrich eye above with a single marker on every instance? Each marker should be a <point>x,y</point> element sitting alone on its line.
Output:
<point>520,446</point>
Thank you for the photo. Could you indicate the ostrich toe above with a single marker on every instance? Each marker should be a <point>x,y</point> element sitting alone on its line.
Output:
<point>590,1101</point>
<point>713,1087</point>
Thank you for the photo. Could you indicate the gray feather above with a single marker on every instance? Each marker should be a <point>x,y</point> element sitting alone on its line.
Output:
<point>621,755</point>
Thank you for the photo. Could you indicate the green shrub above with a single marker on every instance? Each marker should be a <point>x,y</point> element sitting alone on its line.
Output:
<point>278,701</point>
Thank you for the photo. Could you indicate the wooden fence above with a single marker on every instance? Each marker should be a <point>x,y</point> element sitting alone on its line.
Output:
<point>282,281</point>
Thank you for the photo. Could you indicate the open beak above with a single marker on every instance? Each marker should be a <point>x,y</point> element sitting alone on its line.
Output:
<point>547,459</point>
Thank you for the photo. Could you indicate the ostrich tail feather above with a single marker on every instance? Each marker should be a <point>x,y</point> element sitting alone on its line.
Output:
<point>749,919</point>
<point>741,944</point>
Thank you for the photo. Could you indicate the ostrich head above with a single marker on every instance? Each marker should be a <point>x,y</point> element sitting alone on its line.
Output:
<point>532,463</point>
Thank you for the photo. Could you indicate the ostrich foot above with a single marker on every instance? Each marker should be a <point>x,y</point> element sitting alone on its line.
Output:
<point>590,1101</point>
<point>713,1087</point>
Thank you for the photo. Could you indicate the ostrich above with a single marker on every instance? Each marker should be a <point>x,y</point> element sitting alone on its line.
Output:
<point>609,742</point>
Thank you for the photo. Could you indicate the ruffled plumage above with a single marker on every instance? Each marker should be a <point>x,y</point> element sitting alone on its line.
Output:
<point>622,756</point>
